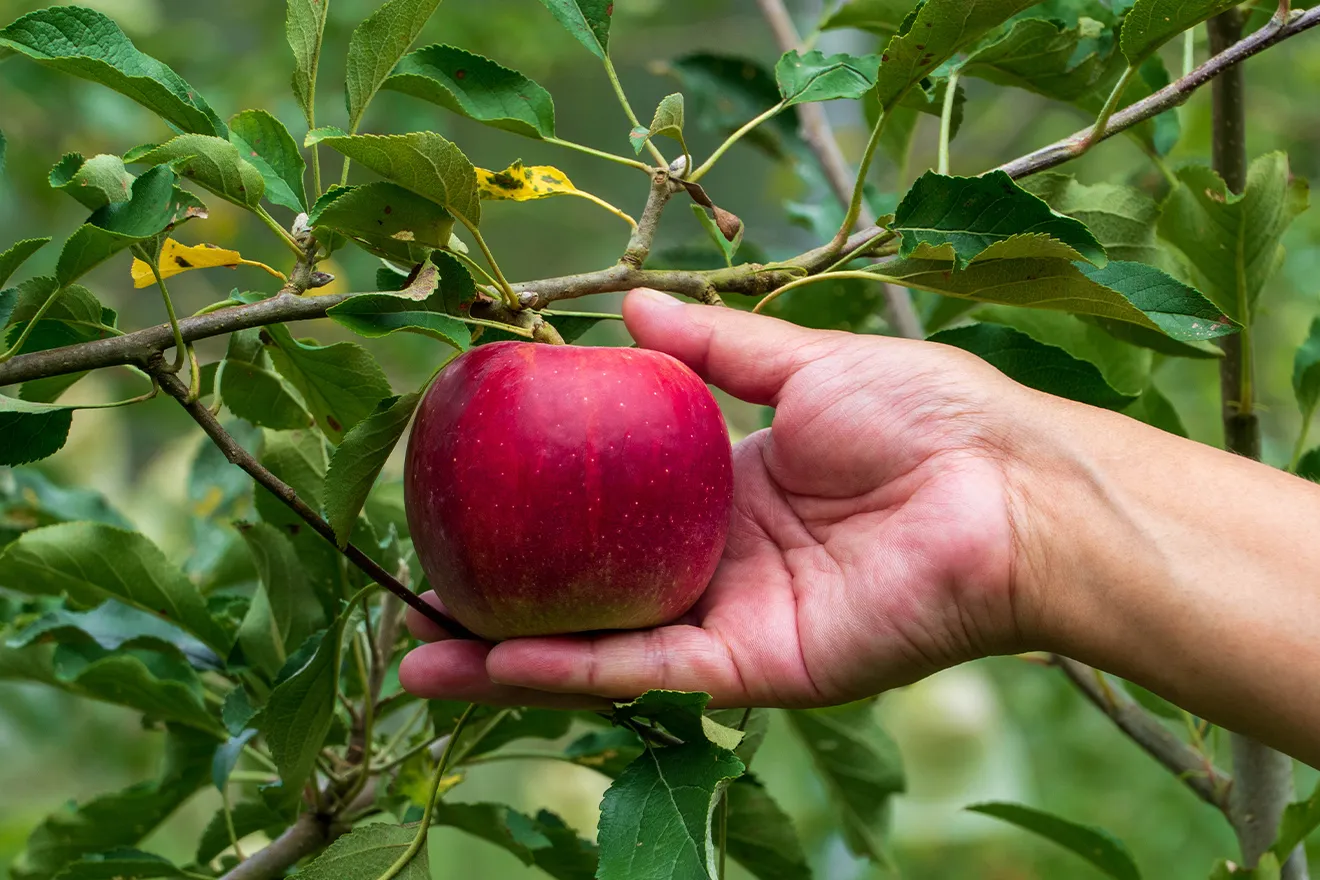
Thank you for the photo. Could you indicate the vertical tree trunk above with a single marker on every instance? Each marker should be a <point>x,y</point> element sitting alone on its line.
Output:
<point>1262,777</point>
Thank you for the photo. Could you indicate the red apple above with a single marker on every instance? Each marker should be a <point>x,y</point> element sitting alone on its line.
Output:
<point>558,488</point>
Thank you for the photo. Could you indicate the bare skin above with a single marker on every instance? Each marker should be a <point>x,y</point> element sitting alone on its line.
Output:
<point>912,509</point>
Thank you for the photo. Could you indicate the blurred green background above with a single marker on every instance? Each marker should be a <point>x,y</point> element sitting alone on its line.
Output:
<point>1002,729</point>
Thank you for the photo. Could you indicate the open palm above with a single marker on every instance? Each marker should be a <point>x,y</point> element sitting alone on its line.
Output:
<point>871,542</point>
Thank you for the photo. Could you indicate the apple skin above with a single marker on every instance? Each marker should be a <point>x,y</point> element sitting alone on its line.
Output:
<point>557,489</point>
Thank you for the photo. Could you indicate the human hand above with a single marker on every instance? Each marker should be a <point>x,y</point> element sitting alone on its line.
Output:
<point>873,536</point>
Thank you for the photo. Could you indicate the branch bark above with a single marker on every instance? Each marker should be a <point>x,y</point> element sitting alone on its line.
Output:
<point>239,456</point>
<point>1195,770</point>
<point>305,836</point>
<point>1264,777</point>
<point>138,347</point>
<point>819,135</point>
<point>1172,95</point>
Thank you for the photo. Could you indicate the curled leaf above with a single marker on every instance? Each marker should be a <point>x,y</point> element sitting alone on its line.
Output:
<point>729,224</point>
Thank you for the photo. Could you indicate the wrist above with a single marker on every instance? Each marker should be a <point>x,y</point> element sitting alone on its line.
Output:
<point>1074,528</point>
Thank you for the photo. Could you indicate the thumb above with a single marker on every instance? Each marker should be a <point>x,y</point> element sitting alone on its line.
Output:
<point>749,356</point>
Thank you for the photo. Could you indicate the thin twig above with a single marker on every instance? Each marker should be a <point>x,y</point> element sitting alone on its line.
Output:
<point>819,135</point>
<point>639,243</point>
<point>1188,765</point>
<point>1167,98</point>
<point>308,834</point>
<point>239,456</point>
<point>749,279</point>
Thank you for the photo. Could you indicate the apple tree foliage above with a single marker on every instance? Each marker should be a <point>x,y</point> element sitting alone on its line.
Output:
<point>271,649</point>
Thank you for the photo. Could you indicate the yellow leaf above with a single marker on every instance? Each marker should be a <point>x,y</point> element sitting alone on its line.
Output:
<point>524,183</point>
<point>177,258</point>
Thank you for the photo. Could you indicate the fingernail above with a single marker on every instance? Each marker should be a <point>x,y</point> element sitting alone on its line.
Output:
<point>656,298</point>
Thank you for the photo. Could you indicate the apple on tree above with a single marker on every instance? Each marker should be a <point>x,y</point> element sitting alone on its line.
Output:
<point>557,489</point>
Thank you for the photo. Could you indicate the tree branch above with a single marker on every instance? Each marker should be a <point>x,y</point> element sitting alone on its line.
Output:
<point>239,456</point>
<point>819,135</point>
<point>308,834</point>
<point>1264,777</point>
<point>639,244</point>
<point>1195,770</point>
<point>1167,98</point>
<point>138,348</point>
<point>750,279</point>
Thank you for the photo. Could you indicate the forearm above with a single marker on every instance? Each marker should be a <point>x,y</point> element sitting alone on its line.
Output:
<point>1188,570</point>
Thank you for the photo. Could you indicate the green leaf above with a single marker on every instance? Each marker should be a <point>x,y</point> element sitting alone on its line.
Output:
<point>860,767</point>
<point>816,76</point>
<point>724,92</point>
<point>120,819</point>
<point>32,431</point>
<point>155,683</point>
<point>110,626</point>
<point>155,206</point>
<point>376,46</point>
<point>385,219</point>
<point>1046,57</point>
<point>297,458</point>
<point>754,724</point>
<point>298,715</point>
<point>212,162</point>
<point>655,819</point>
<point>1230,242</point>
<point>1150,24</point>
<point>728,248</point>
<point>1122,218</point>
<point>120,864</point>
<point>304,27</point>
<point>95,182</point>
<point>667,121</point>
<point>680,713</point>
<point>884,17</point>
<point>357,462</point>
<point>236,711</point>
<point>474,86</point>
<point>253,391</point>
<point>264,142</point>
<point>959,217</point>
<point>92,562</point>
<point>1096,845</point>
<point>378,314</point>
<point>1124,369</point>
<point>87,44</point>
<point>544,840</point>
<point>587,20</point>
<point>248,817</point>
<point>368,851</point>
<point>1177,309</point>
<point>423,162</point>
<point>1071,287</point>
<point>29,499</point>
<point>226,758</point>
<point>761,835</point>
<point>16,255</point>
<point>341,383</point>
<point>938,30</point>
<point>1306,372</point>
<point>1156,410</point>
<point>4,151</point>
<point>607,751</point>
<point>1299,820</point>
<point>284,611</point>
